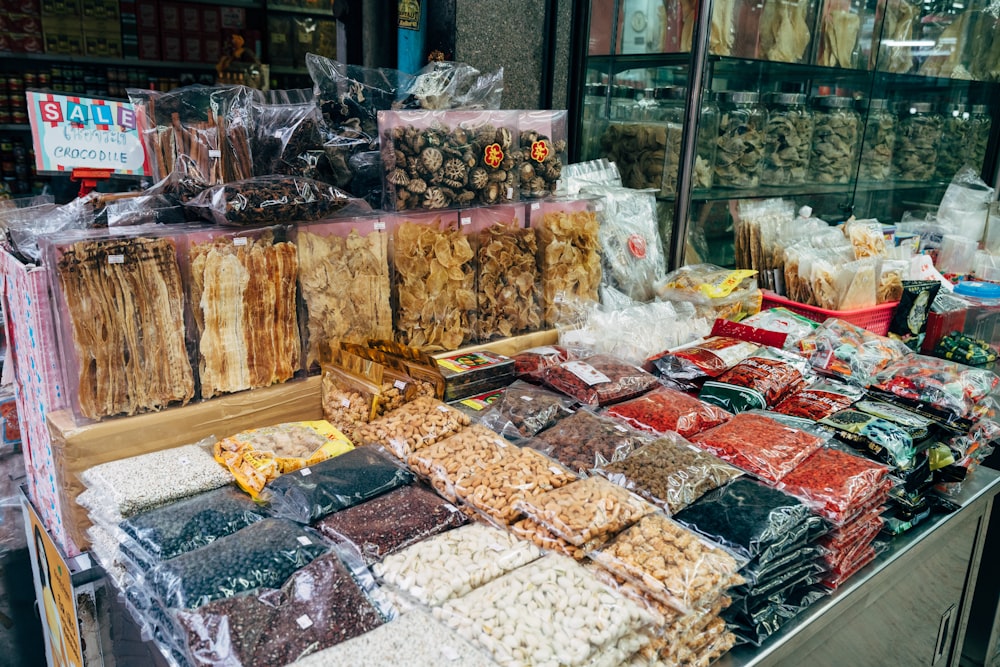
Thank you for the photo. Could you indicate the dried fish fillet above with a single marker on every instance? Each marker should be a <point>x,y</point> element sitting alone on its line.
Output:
<point>784,35</point>
<point>244,305</point>
<point>840,37</point>
<point>126,308</point>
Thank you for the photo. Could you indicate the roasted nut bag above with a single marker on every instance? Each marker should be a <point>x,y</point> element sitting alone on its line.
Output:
<point>450,462</point>
<point>418,424</point>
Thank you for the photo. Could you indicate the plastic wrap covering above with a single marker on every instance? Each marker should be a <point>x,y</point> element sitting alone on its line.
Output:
<point>544,146</point>
<point>450,462</point>
<point>129,486</point>
<point>760,381</point>
<point>586,628</point>
<point>191,523</point>
<point>288,140</point>
<point>267,200</point>
<point>664,409</point>
<point>584,440</point>
<point>392,522</point>
<point>688,367</point>
<point>759,445</point>
<point>529,364</point>
<point>752,520</point>
<point>670,473</point>
<point>599,379</point>
<point>952,389</point>
<point>782,320</point>
<point>418,424</point>
<point>524,409</point>
<point>263,554</point>
<point>454,563</point>
<point>569,256</point>
<point>820,399</point>
<point>757,626</point>
<point>451,85</point>
<point>835,484</point>
<point>716,292</point>
<point>586,509</point>
<point>882,439</point>
<point>507,279</point>
<point>321,605</point>
<point>852,353</point>
<point>329,486</point>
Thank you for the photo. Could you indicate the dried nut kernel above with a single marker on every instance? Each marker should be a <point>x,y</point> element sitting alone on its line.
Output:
<point>416,425</point>
<point>452,460</point>
<point>345,409</point>
<point>544,538</point>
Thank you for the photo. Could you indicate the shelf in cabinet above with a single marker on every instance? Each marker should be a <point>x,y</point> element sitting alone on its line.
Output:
<point>620,63</point>
<point>307,11</point>
<point>118,62</point>
<point>14,127</point>
<point>807,189</point>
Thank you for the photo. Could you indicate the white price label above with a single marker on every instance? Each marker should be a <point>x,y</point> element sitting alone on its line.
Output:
<point>304,541</point>
<point>379,225</point>
<point>214,152</point>
<point>619,427</point>
<point>466,220</point>
<point>116,259</point>
<point>240,240</point>
<point>586,372</point>
<point>536,206</point>
<point>399,384</point>
<point>527,398</point>
<point>510,193</point>
<point>443,408</point>
<point>305,472</point>
<point>304,622</point>
<point>344,403</point>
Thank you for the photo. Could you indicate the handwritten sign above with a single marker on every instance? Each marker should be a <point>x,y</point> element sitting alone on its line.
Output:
<point>71,132</point>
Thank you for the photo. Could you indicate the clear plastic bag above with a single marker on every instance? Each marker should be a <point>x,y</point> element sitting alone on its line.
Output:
<point>759,445</point>
<point>715,291</point>
<point>263,554</point>
<point>268,200</point>
<point>544,146</point>
<point>838,576</point>
<point>507,276</point>
<point>820,399</point>
<point>451,85</point>
<point>670,473</point>
<point>834,483</point>
<point>852,353</point>
<point>139,483</point>
<point>688,367</point>
<point>750,519</point>
<point>329,486</point>
<point>882,439</point>
<point>288,139</point>
<point>544,538</point>
<point>760,381</point>
<point>450,462</point>
<point>323,604</point>
<point>569,255</point>
<point>586,509</point>
<point>584,440</point>
<point>391,522</point>
<point>454,563</point>
<point>598,379</point>
<point>437,422</point>
<point>665,409</point>
<point>756,628</point>
<point>952,389</point>
<point>524,410</point>
<point>782,320</point>
<point>191,523</point>
<point>529,364</point>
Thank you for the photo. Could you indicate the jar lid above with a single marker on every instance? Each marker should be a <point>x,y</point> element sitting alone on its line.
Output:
<point>834,102</point>
<point>916,107</point>
<point>628,92</point>
<point>596,89</point>
<point>737,97</point>
<point>786,99</point>
<point>955,109</point>
<point>670,93</point>
<point>874,105</point>
<point>977,289</point>
<point>980,108</point>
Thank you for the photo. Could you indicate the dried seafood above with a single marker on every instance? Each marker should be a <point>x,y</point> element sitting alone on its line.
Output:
<point>835,138</point>
<point>541,164</point>
<point>915,155</point>
<point>740,153</point>
<point>435,282</point>
<point>880,137</point>
<point>723,32</point>
<point>900,17</point>
<point>440,166</point>
<point>126,309</point>
<point>956,129</point>
<point>508,281</point>
<point>647,154</point>
<point>787,139</point>
<point>571,261</point>
<point>979,136</point>
<point>784,36</point>
<point>243,298</point>
<point>839,38</point>
<point>345,285</point>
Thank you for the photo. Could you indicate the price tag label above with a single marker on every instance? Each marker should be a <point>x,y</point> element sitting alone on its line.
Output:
<point>304,622</point>
<point>466,220</point>
<point>586,372</point>
<point>240,240</point>
<point>304,541</point>
<point>536,206</point>
<point>379,225</point>
<point>305,472</point>
<point>214,152</point>
<point>116,259</point>
<point>399,384</point>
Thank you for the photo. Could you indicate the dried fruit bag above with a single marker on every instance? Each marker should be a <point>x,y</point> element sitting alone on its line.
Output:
<point>760,381</point>
<point>664,409</point>
<point>688,367</point>
<point>584,440</point>
<point>853,353</point>
<point>599,379</point>
<point>947,386</point>
<point>834,483</point>
<point>818,400</point>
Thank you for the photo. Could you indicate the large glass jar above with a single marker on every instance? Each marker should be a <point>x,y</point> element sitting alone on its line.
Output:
<point>787,139</point>
<point>739,154</point>
<point>880,137</point>
<point>594,120</point>
<point>836,135</point>
<point>979,135</point>
<point>915,155</point>
<point>671,103</point>
<point>956,123</point>
<point>623,104</point>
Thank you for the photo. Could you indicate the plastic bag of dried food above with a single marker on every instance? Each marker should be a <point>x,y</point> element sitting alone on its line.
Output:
<point>782,320</point>
<point>191,523</point>
<point>454,563</point>
<point>328,601</point>
<point>755,628</point>
<point>416,425</point>
<point>524,410</point>
<point>688,367</point>
<point>599,379</point>
<point>852,353</point>
<point>451,85</point>
<point>759,445</point>
<point>544,538</point>
<point>664,409</point>
<point>257,456</point>
<point>497,489</point>
<point>890,280</point>
<point>391,522</point>
<point>909,321</point>
<point>834,483</point>
<point>569,255</point>
<point>820,399</point>
<point>348,400</point>
<point>585,509</point>
<point>543,144</point>
<point>949,389</point>
<point>758,575</point>
<point>866,237</point>
<point>760,381</point>
<point>139,483</point>
<point>715,291</point>
<point>882,439</point>
<point>751,519</point>
<point>268,200</point>
<point>584,440</point>
<point>857,284</point>
<point>631,248</point>
<point>263,554</point>
<point>529,364</point>
<point>838,576</point>
<point>329,486</point>
<point>451,461</point>
<point>670,472</point>
<point>288,139</point>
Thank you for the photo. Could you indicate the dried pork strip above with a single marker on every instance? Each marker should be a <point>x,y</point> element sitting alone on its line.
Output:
<point>223,362</point>
<point>284,259</point>
<point>128,327</point>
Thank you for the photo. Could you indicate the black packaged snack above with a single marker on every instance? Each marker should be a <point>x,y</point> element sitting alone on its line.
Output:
<point>909,323</point>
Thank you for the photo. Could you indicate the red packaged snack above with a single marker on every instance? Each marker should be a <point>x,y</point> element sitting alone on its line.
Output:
<point>820,399</point>
<point>530,363</point>
<point>759,445</point>
<point>599,379</point>
<point>834,483</point>
<point>688,367</point>
<point>860,531</point>
<point>760,381</point>
<point>836,578</point>
<point>665,409</point>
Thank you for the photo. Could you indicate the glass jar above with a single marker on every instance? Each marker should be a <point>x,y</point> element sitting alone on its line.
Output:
<point>880,137</point>
<point>914,158</point>
<point>594,120</point>
<point>979,135</point>
<point>956,123</point>
<point>836,134</point>
<point>787,139</point>
<point>623,105</point>
<point>739,153</point>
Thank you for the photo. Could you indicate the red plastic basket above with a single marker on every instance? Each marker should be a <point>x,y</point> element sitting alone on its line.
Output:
<point>876,319</point>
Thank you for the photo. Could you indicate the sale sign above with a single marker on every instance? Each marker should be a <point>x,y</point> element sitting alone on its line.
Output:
<point>71,132</point>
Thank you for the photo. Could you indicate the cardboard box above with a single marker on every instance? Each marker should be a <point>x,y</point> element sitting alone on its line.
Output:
<point>210,21</point>
<point>78,448</point>
<point>148,15</point>
<point>103,46</point>
<point>191,18</point>
<point>21,6</point>
<point>193,51</point>
<point>232,18</point>
<point>21,42</point>
<point>64,36</point>
<point>171,47</point>
<point>130,45</point>
<point>280,48</point>
<point>170,17</point>
<point>211,49</point>
<point>100,9</point>
<point>60,8</point>
<point>15,22</point>
<point>149,46</point>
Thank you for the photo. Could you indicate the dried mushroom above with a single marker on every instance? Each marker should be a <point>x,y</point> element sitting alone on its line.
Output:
<point>508,279</point>
<point>880,137</point>
<point>955,136</point>
<point>345,285</point>
<point>835,138</point>
<point>571,261</point>
<point>435,283</point>
<point>740,146</point>
<point>647,154</point>
<point>787,140</point>
<point>541,164</point>
<point>915,155</point>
